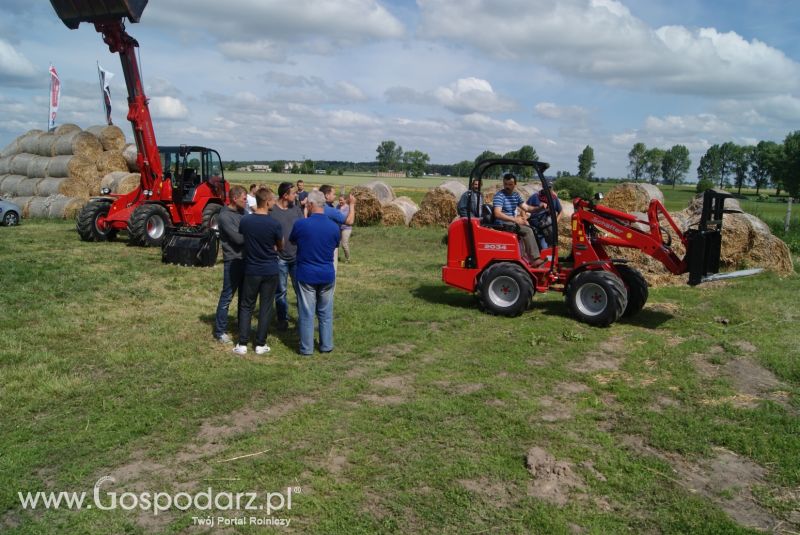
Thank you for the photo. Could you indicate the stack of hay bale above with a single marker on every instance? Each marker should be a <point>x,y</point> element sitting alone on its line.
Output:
<point>746,240</point>
<point>371,198</point>
<point>438,207</point>
<point>53,174</point>
<point>399,212</point>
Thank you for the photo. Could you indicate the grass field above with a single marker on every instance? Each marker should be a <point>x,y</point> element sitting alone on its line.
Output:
<point>424,419</point>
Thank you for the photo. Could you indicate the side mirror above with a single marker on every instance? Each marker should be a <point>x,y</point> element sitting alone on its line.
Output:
<point>598,196</point>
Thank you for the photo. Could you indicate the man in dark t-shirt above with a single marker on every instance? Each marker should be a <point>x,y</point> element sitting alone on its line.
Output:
<point>263,240</point>
<point>286,211</point>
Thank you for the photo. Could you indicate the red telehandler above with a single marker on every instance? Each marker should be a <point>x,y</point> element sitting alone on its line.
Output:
<point>181,186</point>
<point>483,255</point>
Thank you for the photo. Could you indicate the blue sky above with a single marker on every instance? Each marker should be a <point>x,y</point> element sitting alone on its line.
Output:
<point>261,79</point>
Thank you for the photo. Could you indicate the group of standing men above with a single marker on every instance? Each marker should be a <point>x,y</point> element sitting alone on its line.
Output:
<point>268,240</point>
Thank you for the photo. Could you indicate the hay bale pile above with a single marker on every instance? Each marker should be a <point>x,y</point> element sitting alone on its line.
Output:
<point>120,181</point>
<point>68,163</point>
<point>438,207</point>
<point>632,197</point>
<point>382,191</point>
<point>368,207</point>
<point>746,243</point>
<point>399,212</point>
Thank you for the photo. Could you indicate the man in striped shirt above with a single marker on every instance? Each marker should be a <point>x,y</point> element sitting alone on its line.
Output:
<point>505,205</point>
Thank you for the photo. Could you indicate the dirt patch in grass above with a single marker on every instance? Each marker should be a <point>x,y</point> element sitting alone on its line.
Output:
<point>247,419</point>
<point>553,481</point>
<point>392,390</point>
<point>554,410</point>
<point>665,308</point>
<point>726,479</point>
<point>663,402</point>
<point>568,388</point>
<point>336,461</point>
<point>596,362</point>
<point>458,389</point>
<point>394,350</point>
<point>752,382</point>
<point>494,493</point>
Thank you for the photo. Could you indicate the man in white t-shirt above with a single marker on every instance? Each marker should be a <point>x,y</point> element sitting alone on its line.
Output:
<point>251,200</point>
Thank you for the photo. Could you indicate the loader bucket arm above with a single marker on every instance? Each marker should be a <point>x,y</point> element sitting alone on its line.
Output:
<point>108,16</point>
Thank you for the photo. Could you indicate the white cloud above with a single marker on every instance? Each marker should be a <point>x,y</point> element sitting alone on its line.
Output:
<point>550,110</point>
<point>684,126</point>
<point>301,26</point>
<point>602,40</point>
<point>464,96</point>
<point>15,68</point>
<point>168,108</point>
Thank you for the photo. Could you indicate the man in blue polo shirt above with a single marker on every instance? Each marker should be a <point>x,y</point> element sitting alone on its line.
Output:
<point>505,205</point>
<point>336,215</point>
<point>263,240</point>
<point>316,237</point>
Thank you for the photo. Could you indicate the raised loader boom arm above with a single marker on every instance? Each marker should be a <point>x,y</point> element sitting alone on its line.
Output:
<point>108,19</point>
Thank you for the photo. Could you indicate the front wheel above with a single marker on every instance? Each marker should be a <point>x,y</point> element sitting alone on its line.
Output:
<point>505,289</point>
<point>148,225</point>
<point>596,297</point>
<point>211,216</point>
<point>91,224</point>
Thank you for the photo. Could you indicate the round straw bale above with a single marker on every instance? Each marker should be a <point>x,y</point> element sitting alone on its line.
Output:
<point>71,187</point>
<point>73,167</point>
<point>19,163</point>
<point>382,191</point>
<point>424,218</point>
<point>131,153</point>
<point>110,136</point>
<point>399,212</point>
<point>5,165</point>
<point>62,207</point>
<point>111,160</point>
<point>27,187</point>
<point>128,183</point>
<point>39,207</point>
<point>66,128</point>
<point>37,168</point>
<point>29,141</point>
<point>368,207</point>
<point>3,177</point>
<point>632,197</point>
<point>12,148</point>
<point>120,181</point>
<point>696,205</point>
<point>455,188</point>
<point>9,184</point>
<point>23,203</point>
<point>79,144</point>
<point>44,144</point>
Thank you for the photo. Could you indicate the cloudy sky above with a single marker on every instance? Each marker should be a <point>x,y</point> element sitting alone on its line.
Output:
<point>269,79</point>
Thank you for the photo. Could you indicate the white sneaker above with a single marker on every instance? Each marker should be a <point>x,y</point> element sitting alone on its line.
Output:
<point>241,350</point>
<point>224,339</point>
<point>262,350</point>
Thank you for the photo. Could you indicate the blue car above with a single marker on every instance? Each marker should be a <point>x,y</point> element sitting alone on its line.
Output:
<point>10,213</point>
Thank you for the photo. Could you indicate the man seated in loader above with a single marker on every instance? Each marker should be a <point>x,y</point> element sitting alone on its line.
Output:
<point>471,201</point>
<point>505,204</point>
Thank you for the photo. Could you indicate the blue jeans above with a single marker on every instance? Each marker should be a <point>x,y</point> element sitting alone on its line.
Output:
<point>315,299</point>
<point>232,277</point>
<point>287,269</point>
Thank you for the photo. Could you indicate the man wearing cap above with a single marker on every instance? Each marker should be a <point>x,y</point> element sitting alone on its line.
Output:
<point>286,211</point>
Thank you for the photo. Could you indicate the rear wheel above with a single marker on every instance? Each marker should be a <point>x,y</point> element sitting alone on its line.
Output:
<point>148,225</point>
<point>596,297</point>
<point>90,222</point>
<point>505,289</point>
<point>637,289</point>
<point>211,216</point>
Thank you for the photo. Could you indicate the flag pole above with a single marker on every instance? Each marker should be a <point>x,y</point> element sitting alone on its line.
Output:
<point>49,93</point>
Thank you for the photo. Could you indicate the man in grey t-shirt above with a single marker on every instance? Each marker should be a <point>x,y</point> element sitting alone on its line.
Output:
<point>286,211</point>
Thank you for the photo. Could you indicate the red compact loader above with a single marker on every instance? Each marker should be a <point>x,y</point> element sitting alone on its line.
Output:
<point>483,255</point>
<point>181,186</point>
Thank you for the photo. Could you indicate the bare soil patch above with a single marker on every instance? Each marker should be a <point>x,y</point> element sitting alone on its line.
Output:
<point>553,481</point>
<point>554,410</point>
<point>394,350</point>
<point>459,389</point>
<point>392,390</point>
<point>495,493</point>
<point>752,382</point>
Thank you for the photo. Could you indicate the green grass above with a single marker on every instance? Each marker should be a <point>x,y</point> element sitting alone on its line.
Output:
<point>418,422</point>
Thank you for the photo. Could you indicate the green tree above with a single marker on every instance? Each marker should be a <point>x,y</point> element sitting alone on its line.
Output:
<point>654,157</point>
<point>637,162</point>
<point>575,186</point>
<point>277,167</point>
<point>390,154</point>
<point>416,162</point>
<point>308,167</point>
<point>740,165</point>
<point>586,163</point>
<point>790,164</point>
<point>675,165</point>
<point>762,163</point>
<point>463,168</point>
<point>232,165</point>
<point>493,172</point>
<point>727,160</point>
<point>709,168</point>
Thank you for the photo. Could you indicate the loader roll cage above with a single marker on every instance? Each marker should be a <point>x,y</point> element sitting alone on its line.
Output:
<point>477,174</point>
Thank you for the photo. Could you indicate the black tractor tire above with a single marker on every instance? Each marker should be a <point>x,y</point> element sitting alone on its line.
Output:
<point>211,216</point>
<point>505,289</point>
<point>637,289</point>
<point>148,225</point>
<point>11,218</point>
<point>596,297</point>
<point>86,222</point>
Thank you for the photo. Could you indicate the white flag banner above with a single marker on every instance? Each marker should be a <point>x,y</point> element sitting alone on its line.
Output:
<point>105,78</point>
<point>55,96</point>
